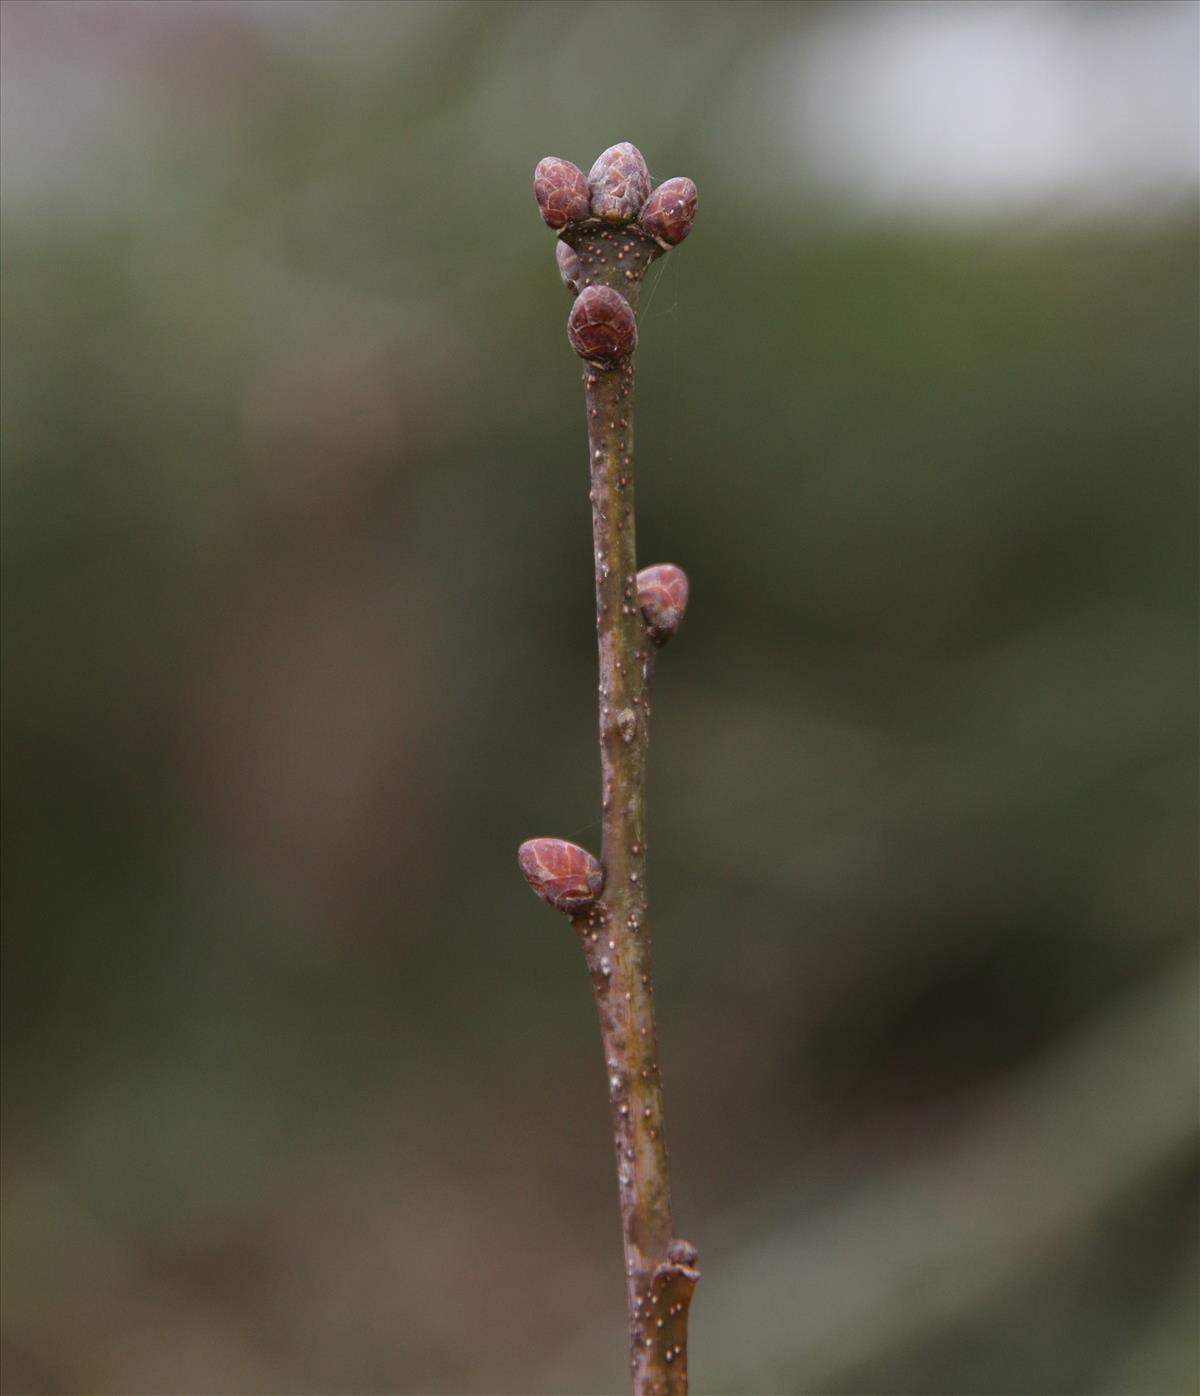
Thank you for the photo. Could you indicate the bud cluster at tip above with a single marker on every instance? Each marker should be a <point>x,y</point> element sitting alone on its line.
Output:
<point>616,192</point>
<point>663,596</point>
<point>602,327</point>
<point>561,873</point>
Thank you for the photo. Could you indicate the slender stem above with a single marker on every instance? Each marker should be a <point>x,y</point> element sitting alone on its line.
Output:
<point>614,931</point>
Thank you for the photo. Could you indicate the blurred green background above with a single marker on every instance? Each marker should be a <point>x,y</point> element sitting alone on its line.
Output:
<point>302,1089</point>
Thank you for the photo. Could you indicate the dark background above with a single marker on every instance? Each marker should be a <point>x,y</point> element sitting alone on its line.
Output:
<point>302,1087</point>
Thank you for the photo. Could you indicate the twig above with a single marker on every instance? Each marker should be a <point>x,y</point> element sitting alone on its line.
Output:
<point>611,228</point>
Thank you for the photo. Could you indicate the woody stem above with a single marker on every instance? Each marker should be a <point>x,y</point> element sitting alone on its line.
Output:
<point>614,931</point>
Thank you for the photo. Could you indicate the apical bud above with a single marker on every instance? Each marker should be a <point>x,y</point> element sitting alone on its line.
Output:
<point>663,597</point>
<point>602,327</point>
<point>670,211</point>
<point>619,183</point>
<point>561,873</point>
<point>561,192</point>
<point>568,265</point>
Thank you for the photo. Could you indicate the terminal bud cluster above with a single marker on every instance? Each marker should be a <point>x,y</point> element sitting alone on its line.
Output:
<point>613,201</point>
<point>616,193</point>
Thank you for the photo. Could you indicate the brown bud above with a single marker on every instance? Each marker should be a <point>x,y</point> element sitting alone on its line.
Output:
<point>670,211</point>
<point>561,192</point>
<point>602,327</point>
<point>663,597</point>
<point>561,873</point>
<point>619,183</point>
<point>568,265</point>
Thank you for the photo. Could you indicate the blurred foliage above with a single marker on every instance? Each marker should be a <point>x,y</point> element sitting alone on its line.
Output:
<point>301,1087</point>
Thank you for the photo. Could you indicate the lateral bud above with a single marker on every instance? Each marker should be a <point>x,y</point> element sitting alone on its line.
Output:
<point>681,1252</point>
<point>670,212</point>
<point>602,327</point>
<point>568,264</point>
<point>561,192</point>
<point>663,596</point>
<point>619,184</point>
<point>561,873</point>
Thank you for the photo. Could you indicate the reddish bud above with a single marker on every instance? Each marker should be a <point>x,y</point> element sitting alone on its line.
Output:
<point>670,211</point>
<point>568,265</point>
<point>602,327</point>
<point>561,873</point>
<point>561,192</point>
<point>663,597</point>
<point>619,183</point>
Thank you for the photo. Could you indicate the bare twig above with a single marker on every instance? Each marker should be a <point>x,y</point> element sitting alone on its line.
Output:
<point>611,228</point>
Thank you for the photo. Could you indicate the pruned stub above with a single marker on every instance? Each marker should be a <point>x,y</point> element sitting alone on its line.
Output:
<point>616,257</point>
